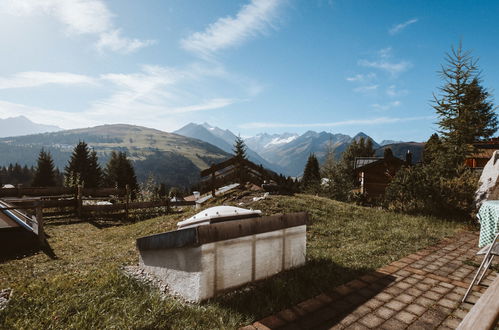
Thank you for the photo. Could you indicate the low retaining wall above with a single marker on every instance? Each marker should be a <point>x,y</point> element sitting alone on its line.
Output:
<point>198,263</point>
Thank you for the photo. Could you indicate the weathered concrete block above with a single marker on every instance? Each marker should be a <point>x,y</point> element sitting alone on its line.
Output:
<point>198,263</point>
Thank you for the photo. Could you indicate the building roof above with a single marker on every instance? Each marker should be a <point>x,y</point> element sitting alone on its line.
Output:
<point>375,162</point>
<point>362,161</point>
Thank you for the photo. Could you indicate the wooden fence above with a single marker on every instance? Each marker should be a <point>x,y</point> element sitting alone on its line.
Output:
<point>74,198</point>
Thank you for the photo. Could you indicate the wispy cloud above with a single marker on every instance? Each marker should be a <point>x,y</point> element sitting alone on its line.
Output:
<point>362,78</point>
<point>39,78</point>
<point>254,18</point>
<point>79,17</point>
<point>386,106</point>
<point>393,91</point>
<point>371,121</point>
<point>399,27</point>
<point>394,68</point>
<point>366,88</point>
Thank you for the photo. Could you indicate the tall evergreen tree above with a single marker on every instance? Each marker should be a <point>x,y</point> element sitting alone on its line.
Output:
<point>45,175</point>
<point>119,172</point>
<point>464,109</point>
<point>83,167</point>
<point>239,148</point>
<point>311,174</point>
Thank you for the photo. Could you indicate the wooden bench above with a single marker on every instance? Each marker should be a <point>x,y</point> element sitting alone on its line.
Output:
<point>485,314</point>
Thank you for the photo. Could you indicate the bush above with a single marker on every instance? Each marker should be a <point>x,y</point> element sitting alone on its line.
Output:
<point>422,189</point>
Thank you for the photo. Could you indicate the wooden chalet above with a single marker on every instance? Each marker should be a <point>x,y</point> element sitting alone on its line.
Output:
<point>375,173</point>
<point>235,170</point>
<point>483,151</point>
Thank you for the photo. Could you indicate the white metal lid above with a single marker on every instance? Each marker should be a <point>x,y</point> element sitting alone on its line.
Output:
<point>216,212</point>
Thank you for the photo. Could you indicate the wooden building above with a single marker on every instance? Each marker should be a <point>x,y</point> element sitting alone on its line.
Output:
<point>482,153</point>
<point>375,173</point>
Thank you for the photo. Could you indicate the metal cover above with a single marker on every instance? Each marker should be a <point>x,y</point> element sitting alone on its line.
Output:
<point>218,214</point>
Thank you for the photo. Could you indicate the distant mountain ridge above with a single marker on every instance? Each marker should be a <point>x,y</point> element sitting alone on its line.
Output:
<point>172,159</point>
<point>223,139</point>
<point>20,125</point>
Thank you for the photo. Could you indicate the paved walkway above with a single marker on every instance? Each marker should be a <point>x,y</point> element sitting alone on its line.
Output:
<point>421,291</point>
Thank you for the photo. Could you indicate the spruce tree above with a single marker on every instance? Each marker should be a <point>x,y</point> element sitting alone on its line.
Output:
<point>83,167</point>
<point>240,148</point>
<point>311,174</point>
<point>119,172</point>
<point>45,175</point>
<point>464,109</point>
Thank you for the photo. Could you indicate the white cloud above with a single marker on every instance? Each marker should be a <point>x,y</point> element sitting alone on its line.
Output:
<point>385,52</point>
<point>38,78</point>
<point>372,121</point>
<point>392,91</point>
<point>386,106</point>
<point>394,68</point>
<point>362,78</point>
<point>399,27</point>
<point>79,17</point>
<point>254,18</point>
<point>366,88</point>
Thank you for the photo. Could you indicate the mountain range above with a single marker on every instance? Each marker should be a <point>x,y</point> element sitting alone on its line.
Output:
<point>17,126</point>
<point>172,159</point>
<point>176,158</point>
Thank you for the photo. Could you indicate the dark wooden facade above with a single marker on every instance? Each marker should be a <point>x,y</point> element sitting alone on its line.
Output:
<point>375,176</point>
<point>483,152</point>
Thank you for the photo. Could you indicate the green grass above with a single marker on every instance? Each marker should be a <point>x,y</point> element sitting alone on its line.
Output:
<point>84,287</point>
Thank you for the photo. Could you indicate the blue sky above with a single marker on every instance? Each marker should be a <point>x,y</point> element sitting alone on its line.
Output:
<point>341,66</point>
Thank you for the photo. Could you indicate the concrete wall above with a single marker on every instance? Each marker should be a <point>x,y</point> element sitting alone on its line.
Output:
<point>199,273</point>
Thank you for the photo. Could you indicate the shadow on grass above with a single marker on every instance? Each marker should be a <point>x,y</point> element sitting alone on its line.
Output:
<point>287,289</point>
<point>23,248</point>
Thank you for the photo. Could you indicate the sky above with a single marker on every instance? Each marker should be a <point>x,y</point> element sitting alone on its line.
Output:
<point>252,66</point>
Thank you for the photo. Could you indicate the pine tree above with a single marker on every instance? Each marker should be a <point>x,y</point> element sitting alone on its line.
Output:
<point>463,106</point>
<point>83,167</point>
<point>239,148</point>
<point>311,174</point>
<point>119,172</point>
<point>45,175</point>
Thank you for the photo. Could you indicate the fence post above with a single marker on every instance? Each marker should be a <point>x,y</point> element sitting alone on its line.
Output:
<point>213,180</point>
<point>39,219</point>
<point>127,200</point>
<point>19,187</point>
<point>79,201</point>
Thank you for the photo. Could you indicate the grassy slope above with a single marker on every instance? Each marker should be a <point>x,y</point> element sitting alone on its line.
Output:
<point>84,288</point>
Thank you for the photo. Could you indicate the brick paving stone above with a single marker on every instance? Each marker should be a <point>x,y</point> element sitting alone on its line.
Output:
<point>394,290</point>
<point>424,301</point>
<point>393,324</point>
<point>388,269</point>
<point>324,298</point>
<point>311,304</point>
<point>369,278</point>
<point>405,298</point>
<point>433,316</point>
<point>361,311</point>
<point>367,292</point>
<point>447,303</point>
<point>373,303</point>
<point>460,313</point>
<point>432,295</point>
<point>356,326</point>
<point>423,287</point>
<point>406,317</point>
<point>416,309</point>
<point>385,312</point>
<point>355,298</point>
<point>396,305</point>
<point>371,321</point>
<point>248,327</point>
<point>411,280</point>
<point>288,315</point>
<point>403,285</point>
<point>383,296</point>
<point>440,289</point>
<point>428,280</point>
<point>414,292</point>
<point>343,290</point>
<point>272,322</point>
<point>356,284</point>
<point>349,319</point>
<point>421,325</point>
<point>451,322</point>
<point>260,326</point>
<point>403,273</point>
<point>453,296</point>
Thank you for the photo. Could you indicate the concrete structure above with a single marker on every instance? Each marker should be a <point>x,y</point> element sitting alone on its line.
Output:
<point>199,262</point>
